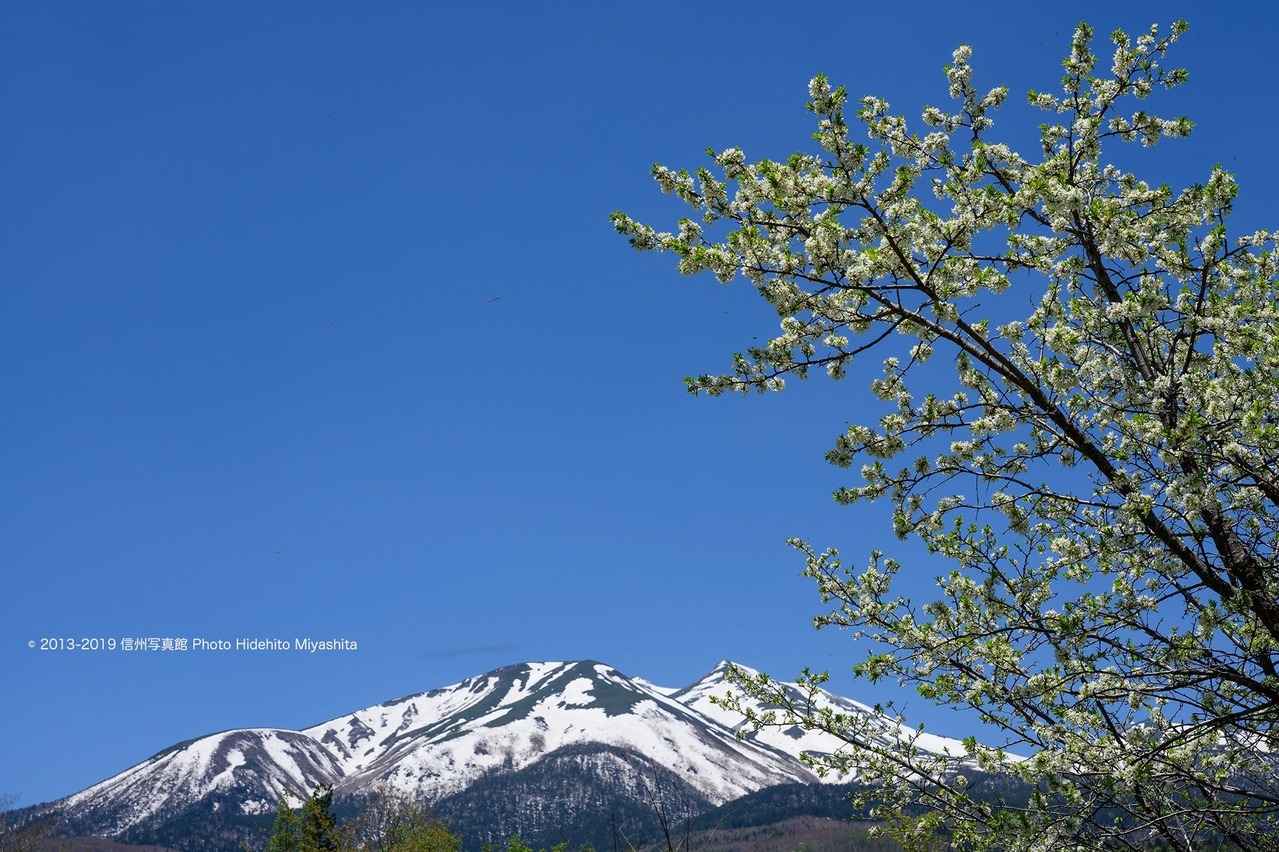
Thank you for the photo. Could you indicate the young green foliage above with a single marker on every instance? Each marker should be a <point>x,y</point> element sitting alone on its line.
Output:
<point>1113,402</point>
<point>393,821</point>
<point>389,822</point>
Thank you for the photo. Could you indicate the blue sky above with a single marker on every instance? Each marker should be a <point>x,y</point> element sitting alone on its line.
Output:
<point>312,324</point>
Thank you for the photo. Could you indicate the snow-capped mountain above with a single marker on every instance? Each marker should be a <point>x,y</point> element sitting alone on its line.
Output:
<point>254,767</point>
<point>529,727</point>
<point>439,743</point>
<point>794,740</point>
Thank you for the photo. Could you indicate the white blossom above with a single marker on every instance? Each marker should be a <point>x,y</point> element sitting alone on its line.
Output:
<point>1099,469</point>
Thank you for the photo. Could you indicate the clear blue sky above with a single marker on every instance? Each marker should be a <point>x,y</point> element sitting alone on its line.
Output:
<point>312,324</point>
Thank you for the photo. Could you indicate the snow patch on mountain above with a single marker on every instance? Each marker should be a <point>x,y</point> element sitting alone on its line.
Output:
<point>794,739</point>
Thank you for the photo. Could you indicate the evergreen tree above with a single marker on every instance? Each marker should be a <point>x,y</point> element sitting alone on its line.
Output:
<point>311,828</point>
<point>284,831</point>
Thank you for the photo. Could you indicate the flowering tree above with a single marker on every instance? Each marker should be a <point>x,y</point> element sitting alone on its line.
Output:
<point>1095,453</point>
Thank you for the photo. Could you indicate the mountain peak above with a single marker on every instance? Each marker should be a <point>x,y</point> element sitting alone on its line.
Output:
<point>437,745</point>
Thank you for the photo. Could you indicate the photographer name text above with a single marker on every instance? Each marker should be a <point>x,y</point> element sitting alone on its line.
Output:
<point>191,644</point>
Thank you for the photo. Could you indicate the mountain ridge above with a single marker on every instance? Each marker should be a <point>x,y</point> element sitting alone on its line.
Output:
<point>461,745</point>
